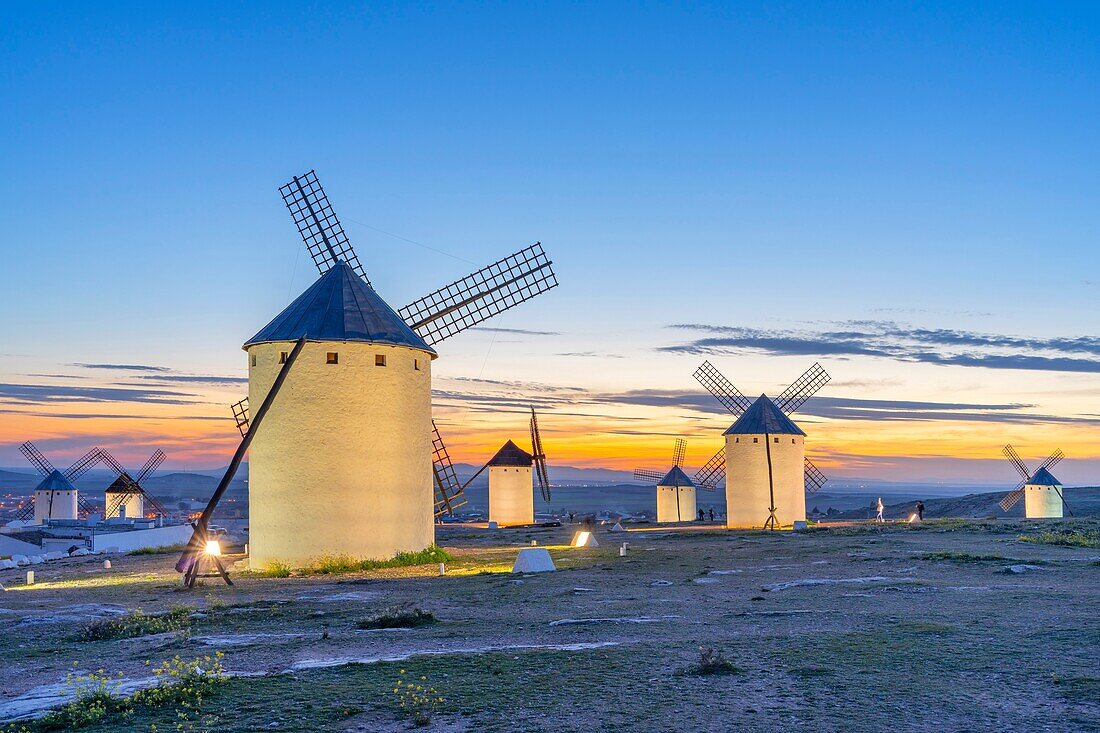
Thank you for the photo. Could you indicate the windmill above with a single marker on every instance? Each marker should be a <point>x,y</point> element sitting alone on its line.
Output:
<point>1041,492</point>
<point>56,497</point>
<point>512,474</point>
<point>125,497</point>
<point>766,482</point>
<point>349,451</point>
<point>676,500</point>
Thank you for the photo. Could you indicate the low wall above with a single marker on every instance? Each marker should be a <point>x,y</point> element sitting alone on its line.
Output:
<point>177,534</point>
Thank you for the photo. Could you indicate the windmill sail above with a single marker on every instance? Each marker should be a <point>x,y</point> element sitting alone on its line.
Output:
<point>730,397</point>
<point>803,389</point>
<point>539,456</point>
<point>814,478</point>
<point>317,224</point>
<point>713,471</point>
<point>481,295</point>
<point>240,415</point>
<point>449,493</point>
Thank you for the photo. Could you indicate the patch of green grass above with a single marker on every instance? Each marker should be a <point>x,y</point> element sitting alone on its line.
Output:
<point>338,564</point>
<point>404,619</point>
<point>962,557</point>
<point>137,623</point>
<point>165,550</point>
<point>274,569</point>
<point>1065,538</point>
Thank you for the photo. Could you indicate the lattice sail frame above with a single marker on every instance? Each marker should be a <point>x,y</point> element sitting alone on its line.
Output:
<point>722,389</point>
<point>481,295</point>
<point>240,415</point>
<point>539,456</point>
<point>318,226</point>
<point>449,493</point>
<point>805,387</point>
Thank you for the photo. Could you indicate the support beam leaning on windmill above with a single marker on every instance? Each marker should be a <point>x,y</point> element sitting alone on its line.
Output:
<point>197,548</point>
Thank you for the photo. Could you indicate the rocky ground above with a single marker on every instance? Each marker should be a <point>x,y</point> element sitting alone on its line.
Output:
<point>946,626</point>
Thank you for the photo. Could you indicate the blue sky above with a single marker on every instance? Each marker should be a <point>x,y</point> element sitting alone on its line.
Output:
<point>887,170</point>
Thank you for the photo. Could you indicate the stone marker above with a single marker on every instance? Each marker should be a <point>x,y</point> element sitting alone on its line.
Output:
<point>533,560</point>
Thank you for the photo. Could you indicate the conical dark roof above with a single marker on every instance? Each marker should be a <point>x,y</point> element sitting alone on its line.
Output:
<point>340,307</point>
<point>511,455</point>
<point>55,481</point>
<point>764,417</point>
<point>120,486</point>
<point>1043,477</point>
<point>676,478</point>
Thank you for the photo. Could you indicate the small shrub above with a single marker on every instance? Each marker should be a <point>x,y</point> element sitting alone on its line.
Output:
<point>419,700</point>
<point>404,619</point>
<point>137,623</point>
<point>182,683</point>
<point>712,661</point>
<point>96,697</point>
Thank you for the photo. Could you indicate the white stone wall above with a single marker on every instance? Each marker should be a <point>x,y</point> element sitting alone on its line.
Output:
<point>747,496</point>
<point>676,504</point>
<point>62,506</point>
<point>1042,502</point>
<point>342,464</point>
<point>175,534</point>
<point>511,495</point>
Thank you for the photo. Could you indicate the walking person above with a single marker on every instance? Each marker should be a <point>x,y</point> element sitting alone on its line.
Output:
<point>881,507</point>
<point>712,514</point>
<point>920,511</point>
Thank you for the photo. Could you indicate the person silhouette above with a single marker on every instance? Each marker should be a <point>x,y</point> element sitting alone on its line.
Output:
<point>920,511</point>
<point>881,506</point>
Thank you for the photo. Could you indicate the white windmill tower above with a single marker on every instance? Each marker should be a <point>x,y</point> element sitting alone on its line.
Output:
<point>1041,492</point>
<point>764,459</point>
<point>512,473</point>
<point>676,500</point>
<point>344,463</point>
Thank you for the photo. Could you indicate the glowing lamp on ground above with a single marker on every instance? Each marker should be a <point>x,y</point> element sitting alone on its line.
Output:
<point>584,538</point>
<point>213,548</point>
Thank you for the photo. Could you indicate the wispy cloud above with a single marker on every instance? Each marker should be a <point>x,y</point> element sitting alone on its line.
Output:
<point>122,367</point>
<point>517,331</point>
<point>49,394</point>
<point>592,354</point>
<point>886,339</point>
<point>194,379</point>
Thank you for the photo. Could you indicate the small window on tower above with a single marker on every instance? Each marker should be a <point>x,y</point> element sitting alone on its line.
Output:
<point>736,440</point>
<point>416,364</point>
<point>282,357</point>
<point>756,440</point>
<point>332,358</point>
<point>776,440</point>
<point>253,360</point>
<point>380,360</point>
<point>792,441</point>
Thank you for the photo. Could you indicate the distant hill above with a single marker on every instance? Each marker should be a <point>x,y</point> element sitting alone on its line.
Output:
<point>1082,501</point>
